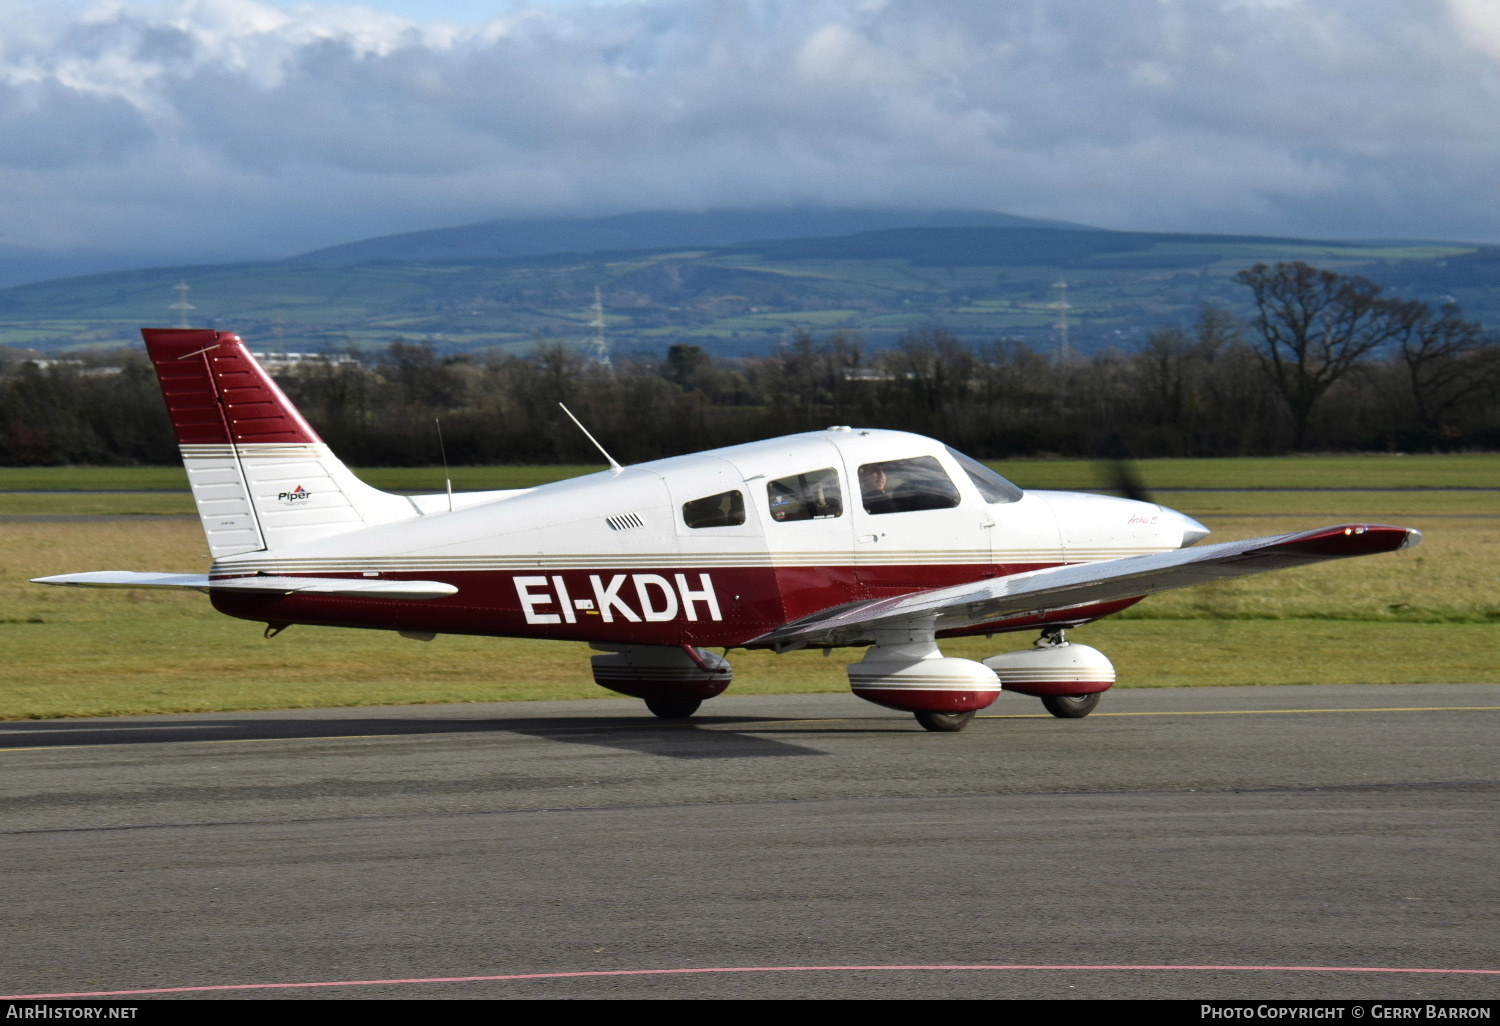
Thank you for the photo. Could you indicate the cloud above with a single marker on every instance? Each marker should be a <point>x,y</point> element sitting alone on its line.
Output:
<point>238,128</point>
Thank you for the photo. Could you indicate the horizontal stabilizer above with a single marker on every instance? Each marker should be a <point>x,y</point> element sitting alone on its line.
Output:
<point>1063,587</point>
<point>361,587</point>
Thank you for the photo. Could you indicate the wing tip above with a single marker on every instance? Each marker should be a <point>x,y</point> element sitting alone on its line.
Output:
<point>1351,540</point>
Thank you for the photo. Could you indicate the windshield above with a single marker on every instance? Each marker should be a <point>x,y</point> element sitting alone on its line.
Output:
<point>992,487</point>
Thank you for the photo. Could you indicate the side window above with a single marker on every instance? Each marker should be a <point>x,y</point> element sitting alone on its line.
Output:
<point>811,496</point>
<point>727,509</point>
<point>992,487</point>
<point>904,486</point>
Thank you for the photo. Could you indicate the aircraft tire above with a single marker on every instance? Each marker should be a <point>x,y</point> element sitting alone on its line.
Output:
<point>1071,707</point>
<point>673,708</point>
<point>944,723</point>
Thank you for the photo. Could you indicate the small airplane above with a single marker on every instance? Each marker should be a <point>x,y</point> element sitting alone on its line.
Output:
<point>826,539</point>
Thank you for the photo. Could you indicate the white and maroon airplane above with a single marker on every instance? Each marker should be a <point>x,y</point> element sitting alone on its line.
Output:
<point>835,538</point>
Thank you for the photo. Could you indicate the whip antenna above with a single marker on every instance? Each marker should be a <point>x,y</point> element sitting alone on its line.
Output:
<point>442,450</point>
<point>612,464</point>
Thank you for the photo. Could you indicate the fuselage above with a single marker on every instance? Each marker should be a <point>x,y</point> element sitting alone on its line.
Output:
<point>667,553</point>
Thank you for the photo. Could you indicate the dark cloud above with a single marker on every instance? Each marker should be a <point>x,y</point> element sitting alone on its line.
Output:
<point>284,129</point>
<point>45,126</point>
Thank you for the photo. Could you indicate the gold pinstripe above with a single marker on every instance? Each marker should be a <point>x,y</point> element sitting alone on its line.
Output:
<point>652,560</point>
<point>1042,676</point>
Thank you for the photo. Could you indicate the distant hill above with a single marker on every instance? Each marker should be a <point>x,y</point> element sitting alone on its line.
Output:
<point>500,240</point>
<point>979,281</point>
<point>1022,246</point>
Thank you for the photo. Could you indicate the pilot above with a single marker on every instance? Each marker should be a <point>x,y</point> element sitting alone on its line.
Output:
<point>872,489</point>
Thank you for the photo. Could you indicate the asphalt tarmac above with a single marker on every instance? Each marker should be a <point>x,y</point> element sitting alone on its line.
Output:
<point>1338,827</point>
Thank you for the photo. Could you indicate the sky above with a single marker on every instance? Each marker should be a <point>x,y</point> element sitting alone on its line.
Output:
<point>189,130</point>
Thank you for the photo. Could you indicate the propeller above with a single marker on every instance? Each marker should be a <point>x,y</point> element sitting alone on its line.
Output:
<point>1119,470</point>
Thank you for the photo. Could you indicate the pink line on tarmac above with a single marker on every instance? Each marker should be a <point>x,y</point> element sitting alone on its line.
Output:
<point>741,969</point>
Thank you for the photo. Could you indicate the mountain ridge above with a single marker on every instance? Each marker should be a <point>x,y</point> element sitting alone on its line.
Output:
<point>649,230</point>
<point>980,282</point>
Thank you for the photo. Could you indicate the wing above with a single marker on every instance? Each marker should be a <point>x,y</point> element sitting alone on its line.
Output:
<point>1064,587</point>
<point>361,587</point>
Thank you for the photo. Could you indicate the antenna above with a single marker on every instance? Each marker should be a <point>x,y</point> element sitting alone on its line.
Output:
<point>1064,355</point>
<point>182,306</point>
<point>598,344</point>
<point>612,464</point>
<point>447,478</point>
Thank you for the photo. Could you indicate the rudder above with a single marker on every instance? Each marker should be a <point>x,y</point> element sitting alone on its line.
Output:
<point>261,477</point>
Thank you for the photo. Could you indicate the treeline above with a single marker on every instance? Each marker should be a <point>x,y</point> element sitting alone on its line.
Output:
<point>1328,364</point>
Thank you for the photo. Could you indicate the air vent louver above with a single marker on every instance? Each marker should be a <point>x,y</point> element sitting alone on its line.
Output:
<point>625,522</point>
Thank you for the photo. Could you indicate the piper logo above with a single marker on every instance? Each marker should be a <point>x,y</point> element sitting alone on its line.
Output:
<point>657,598</point>
<point>294,496</point>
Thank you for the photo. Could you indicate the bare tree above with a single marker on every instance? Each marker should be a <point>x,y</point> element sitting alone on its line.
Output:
<point>1215,329</point>
<point>1315,326</point>
<point>1446,362</point>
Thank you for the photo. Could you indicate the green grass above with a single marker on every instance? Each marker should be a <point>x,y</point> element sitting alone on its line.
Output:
<point>1376,470</point>
<point>182,661</point>
<point>1449,578</point>
<point>1317,471</point>
<point>1331,506</point>
<point>85,478</point>
<point>75,503</point>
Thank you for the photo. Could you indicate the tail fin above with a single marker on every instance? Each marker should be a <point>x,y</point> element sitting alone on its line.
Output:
<point>260,475</point>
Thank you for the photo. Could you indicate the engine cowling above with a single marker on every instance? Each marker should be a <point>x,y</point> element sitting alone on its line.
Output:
<point>656,671</point>
<point>918,678</point>
<point>1062,669</point>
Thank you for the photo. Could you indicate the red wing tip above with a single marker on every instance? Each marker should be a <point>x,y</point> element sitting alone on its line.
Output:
<point>1352,540</point>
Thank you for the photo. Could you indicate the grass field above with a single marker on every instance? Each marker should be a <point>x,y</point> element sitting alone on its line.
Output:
<point>1466,470</point>
<point>1425,615</point>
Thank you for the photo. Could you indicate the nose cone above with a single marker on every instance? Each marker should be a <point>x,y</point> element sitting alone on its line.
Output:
<point>1192,531</point>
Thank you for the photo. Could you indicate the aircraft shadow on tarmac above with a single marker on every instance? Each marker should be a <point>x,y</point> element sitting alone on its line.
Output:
<point>704,738</point>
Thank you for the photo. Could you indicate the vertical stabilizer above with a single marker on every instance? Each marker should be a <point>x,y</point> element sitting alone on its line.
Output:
<point>260,475</point>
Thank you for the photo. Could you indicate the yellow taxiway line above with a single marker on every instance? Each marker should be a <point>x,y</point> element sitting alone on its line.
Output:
<point>1256,712</point>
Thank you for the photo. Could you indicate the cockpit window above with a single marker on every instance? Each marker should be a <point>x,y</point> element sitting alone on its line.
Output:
<point>727,509</point>
<point>814,495</point>
<point>992,487</point>
<point>904,486</point>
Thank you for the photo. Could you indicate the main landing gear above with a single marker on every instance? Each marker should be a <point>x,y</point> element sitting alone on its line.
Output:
<point>1068,678</point>
<point>945,723</point>
<point>673,681</point>
<point>1070,707</point>
<point>904,670</point>
<point>673,708</point>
